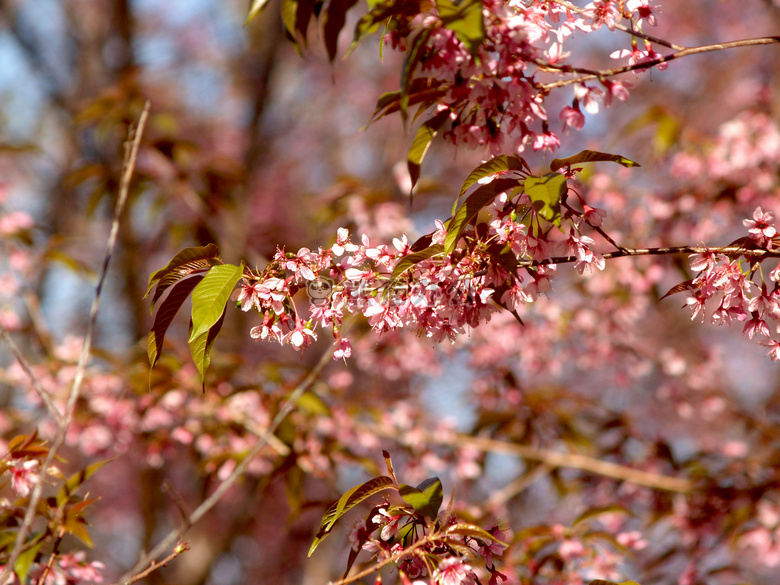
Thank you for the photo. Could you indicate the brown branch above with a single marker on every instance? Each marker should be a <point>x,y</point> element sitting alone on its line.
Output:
<point>589,74</point>
<point>131,155</point>
<point>573,461</point>
<point>556,459</point>
<point>33,379</point>
<point>731,251</point>
<point>154,565</point>
<point>391,559</point>
<point>146,559</point>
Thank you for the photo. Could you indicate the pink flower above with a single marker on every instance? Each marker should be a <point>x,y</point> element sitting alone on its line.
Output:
<point>301,337</point>
<point>388,522</point>
<point>760,228</point>
<point>452,571</point>
<point>774,349</point>
<point>24,475</point>
<point>756,326</point>
<point>343,348</point>
<point>572,118</point>
<point>602,12</point>
<point>247,295</point>
<point>593,216</point>
<point>644,11</point>
<point>358,535</point>
<point>440,234</point>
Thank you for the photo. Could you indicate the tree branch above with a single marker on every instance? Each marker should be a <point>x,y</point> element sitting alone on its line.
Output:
<point>33,380</point>
<point>131,154</point>
<point>731,251</point>
<point>556,459</point>
<point>147,560</point>
<point>589,74</point>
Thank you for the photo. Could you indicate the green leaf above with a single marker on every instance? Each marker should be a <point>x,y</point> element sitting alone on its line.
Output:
<point>498,164</point>
<point>186,262</point>
<point>422,142</point>
<point>200,347</point>
<point>77,527</point>
<point>426,498</point>
<point>348,501</point>
<point>165,315</point>
<point>410,260</point>
<point>255,8</point>
<point>469,209</point>
<point>313,404</point>
<point>464,18</point>
<point>77,479</point>
<point>210,297</point>
<point>591,156</point>
<point>333,22</point>
<point>545,194</point>
<point>25,561</point>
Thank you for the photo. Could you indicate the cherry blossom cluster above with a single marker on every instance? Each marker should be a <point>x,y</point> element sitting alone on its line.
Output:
<point>441,561</point>
<point>735,286</point>
<point>495,96</point>
<point>501,264</point>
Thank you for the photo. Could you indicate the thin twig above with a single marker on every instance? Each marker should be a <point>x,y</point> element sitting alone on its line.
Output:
<point>589,74</point>
<point>33,379</point>
<point>180,548</point>
<point>391,559</point>
<point>148,559</point>
<point>128,167</point>
<point>730,251</point>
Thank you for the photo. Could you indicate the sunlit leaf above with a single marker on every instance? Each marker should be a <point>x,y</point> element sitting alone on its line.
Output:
<point>472,530</point>
<point>586,156</point>
<point>211,295</point>
<point>75,265</point>
<point>422,142</point>
<point>426,498</point>
<point>545,194</point>
<point>410,260</point>
<point>348,501</point>
<point>289,16</point>
<point>186,262</point>
<point>77,527</point>
<point>498,164</point>
<point>255,8</point>
<point>313,404</point>
<point>469,209</point>
<point>200,347</point>
<point>165,314</point>
<point>77,479</point>
<point>464,18</point>
<point>25,561</point>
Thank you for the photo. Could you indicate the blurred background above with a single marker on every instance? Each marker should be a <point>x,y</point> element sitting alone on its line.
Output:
<point>253,146</point>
